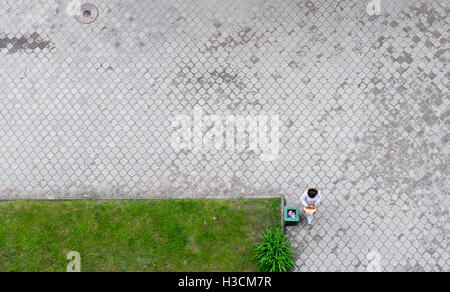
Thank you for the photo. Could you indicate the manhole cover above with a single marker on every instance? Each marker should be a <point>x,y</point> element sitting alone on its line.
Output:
<point>88,13</point>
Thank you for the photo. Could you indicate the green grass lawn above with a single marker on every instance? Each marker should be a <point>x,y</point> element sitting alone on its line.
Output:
<point>153,235</point>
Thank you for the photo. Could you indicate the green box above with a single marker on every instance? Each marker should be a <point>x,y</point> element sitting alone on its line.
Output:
<point>291,220</point>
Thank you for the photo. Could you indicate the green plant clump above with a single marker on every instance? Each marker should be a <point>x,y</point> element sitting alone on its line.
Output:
<point>274,253</point>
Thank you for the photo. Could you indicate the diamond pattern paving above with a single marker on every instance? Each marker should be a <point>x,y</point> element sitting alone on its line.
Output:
<point>87,111</point>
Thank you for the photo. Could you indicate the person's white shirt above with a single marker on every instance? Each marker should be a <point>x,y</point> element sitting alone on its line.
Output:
<point>306,200</point>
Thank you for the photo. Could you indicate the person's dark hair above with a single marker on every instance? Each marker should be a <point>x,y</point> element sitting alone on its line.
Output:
<point>312,193</point>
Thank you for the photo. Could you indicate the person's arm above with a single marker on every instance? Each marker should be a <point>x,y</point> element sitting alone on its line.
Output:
<point>303,199</point>
<point>319,198</point>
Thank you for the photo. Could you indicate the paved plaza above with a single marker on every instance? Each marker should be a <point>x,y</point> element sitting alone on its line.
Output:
<point>89,106</point>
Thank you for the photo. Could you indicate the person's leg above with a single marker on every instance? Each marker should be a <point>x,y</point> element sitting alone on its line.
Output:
<point>309,218</point>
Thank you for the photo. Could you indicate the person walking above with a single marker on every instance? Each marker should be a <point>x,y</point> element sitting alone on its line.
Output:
<point>310,200</point>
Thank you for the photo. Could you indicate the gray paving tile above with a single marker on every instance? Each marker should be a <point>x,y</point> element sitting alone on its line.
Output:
<point>86,111</point>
